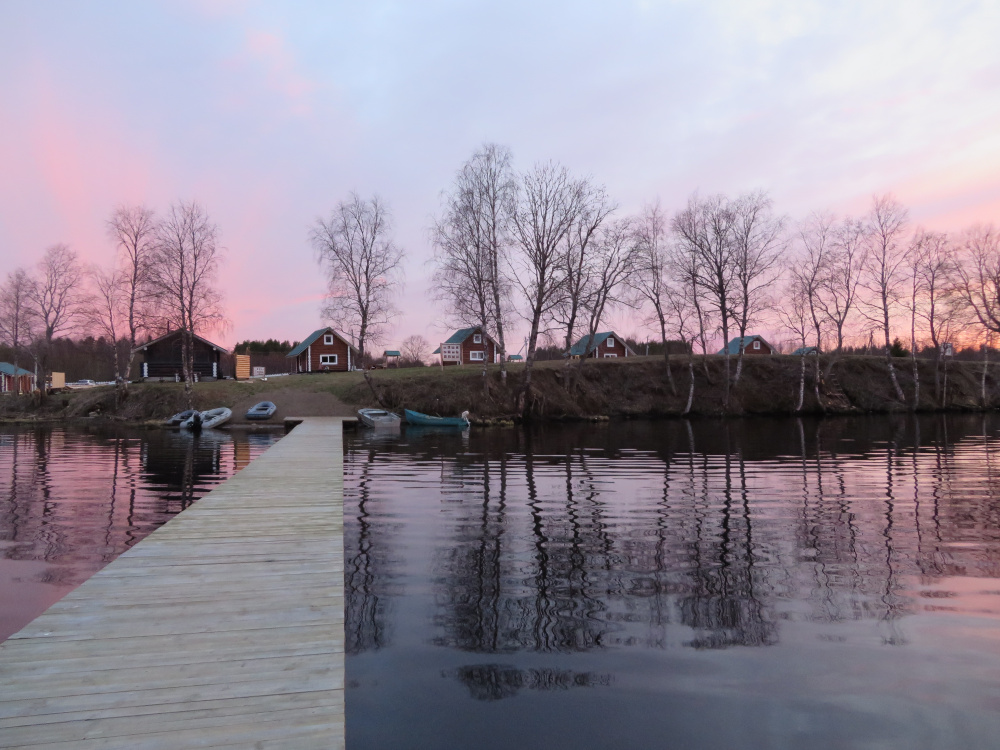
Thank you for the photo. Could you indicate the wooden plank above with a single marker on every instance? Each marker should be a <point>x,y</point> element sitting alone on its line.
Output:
<point>223,629</point>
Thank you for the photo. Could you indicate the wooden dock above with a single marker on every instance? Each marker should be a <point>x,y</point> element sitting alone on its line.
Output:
<point>222,629</point>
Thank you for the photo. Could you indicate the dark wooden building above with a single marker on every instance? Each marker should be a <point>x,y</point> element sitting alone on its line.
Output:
<point>161,358</point>
<point>607,345</point>
<point>468,346</point>
<point>324,350</point>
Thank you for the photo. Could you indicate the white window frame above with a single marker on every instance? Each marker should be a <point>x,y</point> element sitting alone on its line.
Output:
<point>756,345</point>
<point>477,338</point>
<point>477,356</point>
<point>611,342</point>
<point>326,360</point>
<point>610,355</point>
<point>328,339</point>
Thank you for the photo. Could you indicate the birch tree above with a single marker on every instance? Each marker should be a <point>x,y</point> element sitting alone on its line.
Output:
<point>18,318</point>
<point>940,311</point>
<point>884,271</point>
<point>838,296</point>
<point>977,277</point>
<point>59,296</point>
<point>705,230</point>
<point>757,249</point>
<point>183,275</point>
<point>471,245</point>
<point>362,264</point>
<point>548,202</point>
<point>810,271</point>
<point>133,230</point>
<point>650,280</point>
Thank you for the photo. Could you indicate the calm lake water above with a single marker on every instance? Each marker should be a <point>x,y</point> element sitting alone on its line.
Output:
<point>752,584</point>
<point>73,499</point>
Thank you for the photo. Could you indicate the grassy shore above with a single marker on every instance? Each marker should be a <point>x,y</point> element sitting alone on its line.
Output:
<point>638,386</point>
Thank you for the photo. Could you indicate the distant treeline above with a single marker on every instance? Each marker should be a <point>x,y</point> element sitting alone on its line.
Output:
<point>271,346</point>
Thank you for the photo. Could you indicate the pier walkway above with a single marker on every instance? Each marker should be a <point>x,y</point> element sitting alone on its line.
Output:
<point>222,629</point>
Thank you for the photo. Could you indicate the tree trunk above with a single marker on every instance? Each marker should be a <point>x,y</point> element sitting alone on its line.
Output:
<point>687,408</point>
<point>802,382</point>
<point>666,352</point>
<point>986,367</point>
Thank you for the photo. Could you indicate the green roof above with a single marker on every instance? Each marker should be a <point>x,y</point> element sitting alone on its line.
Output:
<point>312,338</point>
<point>391,353</point>
<point>734,345</point>
<point>8,369</point>
<point>599,338</point>
<point>459,336</point>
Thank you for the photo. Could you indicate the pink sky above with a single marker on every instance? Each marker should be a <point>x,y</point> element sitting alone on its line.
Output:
<point>269,114</point>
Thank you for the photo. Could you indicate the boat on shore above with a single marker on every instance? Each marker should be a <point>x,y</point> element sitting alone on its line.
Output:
<point>207,419</point>
<point>378,418</point>
<point>426,420</point>
<point>263,410</point>
<point>180,417</point>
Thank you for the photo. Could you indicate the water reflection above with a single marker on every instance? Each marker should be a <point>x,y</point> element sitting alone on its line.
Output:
<point>72,500</point>
<point>590,543</point>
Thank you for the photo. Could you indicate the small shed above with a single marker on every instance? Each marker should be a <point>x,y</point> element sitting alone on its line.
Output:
<point>324,350</point>
<point>804,350</point>
<point>391,357</point>
<point>15,379</point>
<point>515,358</point>
<point>161,358</point>
<point>749,344</point>
<point>468,346</point>
<point>606,345</point>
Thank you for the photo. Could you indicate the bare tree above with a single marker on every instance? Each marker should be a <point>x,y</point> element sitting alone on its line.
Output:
<point>838,296</point>
<point>580,268</point>
<point>940,309</point>
<point>17,316</point>
<point>884,270</point>
<point>757,248</point>
<point>548,202</point>
<point>809,273</point>
<point>977,276</point>
<point>705,231</point>
<point>109,317</point>
<point>183,275</point>
<point>133,230</point>
<point>413,350</point>
<point>362,264</point>
<point>796,315</point>
<point>613,264</point>
<point>59,296</point>
<point>650,280</point>
<point>471,244</point>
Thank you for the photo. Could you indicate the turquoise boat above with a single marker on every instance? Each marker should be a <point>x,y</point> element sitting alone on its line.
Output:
<point>425,420</point>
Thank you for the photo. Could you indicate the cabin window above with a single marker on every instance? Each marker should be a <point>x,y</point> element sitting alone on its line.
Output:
<point>756,345</point>
<point>328,359</point>
<point>477,356</point>
<point>477,338</point>
<point>328,339</point>
<point>611,343</point>
<point>610,356</point>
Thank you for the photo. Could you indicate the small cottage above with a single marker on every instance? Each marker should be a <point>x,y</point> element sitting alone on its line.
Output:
<point>161,358</point>
<point>324,350</point>
<point>750,345</point>
<point>607,345</point>
<point>468,346</point>
<point>802,351</point>
<point>15,379</point>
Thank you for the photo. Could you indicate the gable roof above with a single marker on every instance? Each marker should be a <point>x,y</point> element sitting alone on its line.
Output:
<point>462,334</point>
<point>599,338</point>
<point>312,337</point>
<point>8,369</point>
<point>734,345</point>
<point>805,350</point>
<point>177,332</point>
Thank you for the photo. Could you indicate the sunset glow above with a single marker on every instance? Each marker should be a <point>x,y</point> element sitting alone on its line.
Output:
<point>268,114</point>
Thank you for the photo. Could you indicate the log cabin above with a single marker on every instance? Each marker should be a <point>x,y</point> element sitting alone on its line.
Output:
<point>161,358</point>
<point>607,345</point>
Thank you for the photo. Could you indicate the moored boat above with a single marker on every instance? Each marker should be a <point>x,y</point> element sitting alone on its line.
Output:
<point>208,419</point>
<point>426,420</point>
<point>179,417</point>
<point>263,410</point>
<point>378,418</point>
